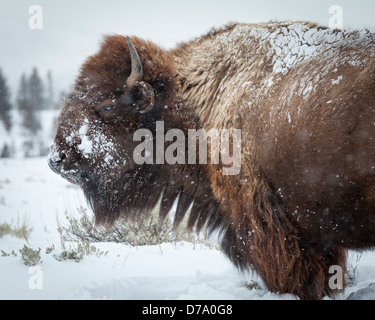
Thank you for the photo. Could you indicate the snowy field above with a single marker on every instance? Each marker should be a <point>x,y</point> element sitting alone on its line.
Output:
<point>31,193</point>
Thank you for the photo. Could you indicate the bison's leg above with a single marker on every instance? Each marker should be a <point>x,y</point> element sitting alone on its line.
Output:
<point>312,272</point>
<point>324,271</point>
<point>286,263</point>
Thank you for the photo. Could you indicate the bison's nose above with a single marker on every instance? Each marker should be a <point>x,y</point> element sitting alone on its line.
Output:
<point>55,163</point>
<point>55,160</point>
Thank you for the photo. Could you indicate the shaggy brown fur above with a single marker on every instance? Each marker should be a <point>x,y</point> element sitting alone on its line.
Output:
<point>304,98</point>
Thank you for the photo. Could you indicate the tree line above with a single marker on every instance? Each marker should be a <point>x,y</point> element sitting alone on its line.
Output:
<point>34,95</point>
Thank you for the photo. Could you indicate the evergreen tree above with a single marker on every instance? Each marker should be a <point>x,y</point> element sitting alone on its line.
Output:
<point>5,152</point>
<point>5,105</point>
<point>49,99</point>
<point>27,102</point>
<point>36,88</point>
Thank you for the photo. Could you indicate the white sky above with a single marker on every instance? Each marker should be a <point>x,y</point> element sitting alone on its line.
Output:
<point>72,30</point>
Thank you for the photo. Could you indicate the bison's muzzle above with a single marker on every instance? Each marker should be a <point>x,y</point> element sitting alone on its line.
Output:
<point>55,160</point>
<point>58,163</point>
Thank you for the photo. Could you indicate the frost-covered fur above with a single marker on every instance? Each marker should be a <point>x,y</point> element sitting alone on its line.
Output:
<point>304,98</point>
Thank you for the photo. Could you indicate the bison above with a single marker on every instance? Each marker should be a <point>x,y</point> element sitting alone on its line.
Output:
<point>303,97</point>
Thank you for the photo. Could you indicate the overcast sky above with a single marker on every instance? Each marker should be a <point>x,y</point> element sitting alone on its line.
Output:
<point>72,29</point>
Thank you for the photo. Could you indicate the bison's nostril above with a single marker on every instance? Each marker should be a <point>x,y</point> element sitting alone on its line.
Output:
<point>55,160</point>
<point>62,157</point>
<point>54,164</point>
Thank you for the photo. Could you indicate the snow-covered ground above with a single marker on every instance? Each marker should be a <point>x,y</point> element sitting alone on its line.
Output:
<point>30,192</point>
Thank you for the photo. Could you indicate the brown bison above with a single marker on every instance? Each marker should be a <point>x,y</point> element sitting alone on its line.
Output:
<point>303,97</point>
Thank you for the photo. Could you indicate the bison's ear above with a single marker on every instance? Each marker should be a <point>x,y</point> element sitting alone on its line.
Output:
<point>143,97</point>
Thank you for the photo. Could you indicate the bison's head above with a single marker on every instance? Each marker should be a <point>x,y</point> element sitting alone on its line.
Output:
<point>124,87</point>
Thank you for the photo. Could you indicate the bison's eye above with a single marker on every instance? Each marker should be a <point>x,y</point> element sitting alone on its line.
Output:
<point>107,108</point>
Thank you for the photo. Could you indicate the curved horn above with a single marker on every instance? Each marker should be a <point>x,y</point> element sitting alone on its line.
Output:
<point>137,69</point>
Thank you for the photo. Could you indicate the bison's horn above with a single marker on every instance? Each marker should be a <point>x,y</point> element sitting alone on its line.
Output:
<point>137,69</point>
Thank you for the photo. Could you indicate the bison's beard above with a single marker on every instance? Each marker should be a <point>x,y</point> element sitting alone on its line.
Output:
<point>134,194</point>
<point>127,195</point>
